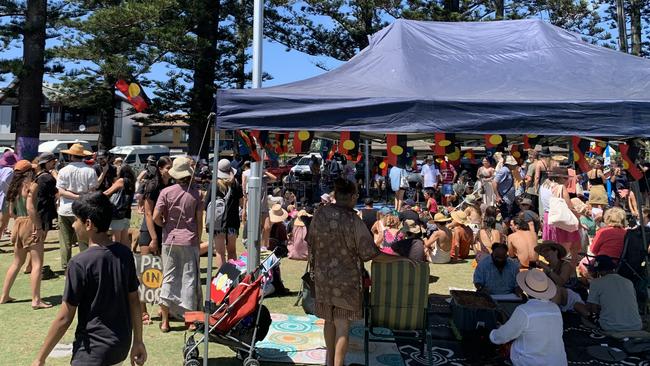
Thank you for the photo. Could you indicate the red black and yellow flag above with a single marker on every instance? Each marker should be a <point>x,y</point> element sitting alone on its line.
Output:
<point>530,141</point>
<point>469,155</point>
<point>249,144</point>
<point>262,137</point>
<point>454,155</point>
<point>516,150</point>
<point>384,167</point>
<point>496,141</point>
<point>580,147</point>
<point>302,141</point>
<point>134,94</point>
<point>395,147</point>
<point>598,147</point>
<point>444,143</point>
<point>349,144</point>
<point>281,143</point>
<point>629,155</point>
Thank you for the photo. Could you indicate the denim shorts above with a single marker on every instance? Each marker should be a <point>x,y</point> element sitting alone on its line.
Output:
<point>447,189</point>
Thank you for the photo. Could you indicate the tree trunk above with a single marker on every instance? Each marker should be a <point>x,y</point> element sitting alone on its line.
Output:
<point>202,95</point>
<point>107,116</point>
<point>635,16</point>
<point>30,92</point>
<point>242,45</point>
<point>452,6</point>
<point>621,25</point>
<point>499,9</point>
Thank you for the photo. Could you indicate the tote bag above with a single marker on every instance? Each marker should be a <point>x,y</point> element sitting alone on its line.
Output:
<point>560,216</point>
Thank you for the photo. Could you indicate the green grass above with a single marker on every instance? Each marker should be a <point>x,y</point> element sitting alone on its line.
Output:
<point>23,329</point>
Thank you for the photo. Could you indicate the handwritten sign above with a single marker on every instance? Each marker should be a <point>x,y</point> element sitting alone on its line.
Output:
<point>149,270</point>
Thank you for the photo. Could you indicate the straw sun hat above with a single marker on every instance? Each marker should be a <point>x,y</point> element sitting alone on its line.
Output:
<point>460,217</point>
<point>301,214</point>
<point>77,150</point>
<point>440,217</point>
<point>181,168</point>
<point>411,226</point>
<point>536,284</point>
<point>551,245</point>
<point>277,214</point>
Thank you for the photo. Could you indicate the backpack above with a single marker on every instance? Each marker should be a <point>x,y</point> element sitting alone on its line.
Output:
<point>216,210</point>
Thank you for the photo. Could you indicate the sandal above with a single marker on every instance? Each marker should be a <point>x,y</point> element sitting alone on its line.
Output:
<point>146,319</point>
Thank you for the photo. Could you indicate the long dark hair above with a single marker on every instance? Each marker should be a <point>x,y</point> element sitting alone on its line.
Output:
<point>128,175</point>
<point>16,185</point>
<point>154,180</point>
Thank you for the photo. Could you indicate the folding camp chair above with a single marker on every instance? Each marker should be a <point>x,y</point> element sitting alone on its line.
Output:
<point>398,301</point>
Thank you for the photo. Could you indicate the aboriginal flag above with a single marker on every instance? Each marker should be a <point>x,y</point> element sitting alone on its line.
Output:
<point>302,141</point>
<point>498,142</point>
<point>530,141</point>
<point>516,150</point>
<point>454,155</point>
<point>395,147</point>
<point>444,143</point>
<point>349,144</point>
<point>248,143</point>
<point>630,153</point>
<point>580,147</point>
<point>134,94</point>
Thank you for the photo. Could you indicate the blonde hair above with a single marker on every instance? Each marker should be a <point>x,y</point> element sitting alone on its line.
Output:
<point>615,217</point>
<point>391,221</point>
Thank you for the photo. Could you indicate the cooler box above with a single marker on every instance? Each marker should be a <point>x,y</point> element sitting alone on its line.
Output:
<point>472,311</point>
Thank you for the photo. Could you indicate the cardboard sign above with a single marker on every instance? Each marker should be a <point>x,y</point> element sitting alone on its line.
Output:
<point>149,270</point>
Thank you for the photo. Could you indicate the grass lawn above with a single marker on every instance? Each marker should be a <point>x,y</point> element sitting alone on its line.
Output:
<point>23,329</point>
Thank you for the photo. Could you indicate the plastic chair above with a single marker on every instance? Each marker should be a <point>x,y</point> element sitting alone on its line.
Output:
<point>398,301</point>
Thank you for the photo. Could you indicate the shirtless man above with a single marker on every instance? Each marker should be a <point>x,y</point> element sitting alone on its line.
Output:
<point>522,242</point>
<point>437,248</point>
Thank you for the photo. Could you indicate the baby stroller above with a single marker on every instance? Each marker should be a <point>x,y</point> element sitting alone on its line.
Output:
<point>238,319</point>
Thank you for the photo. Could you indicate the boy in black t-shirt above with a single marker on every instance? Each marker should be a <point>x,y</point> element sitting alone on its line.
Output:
<point>101,282</point>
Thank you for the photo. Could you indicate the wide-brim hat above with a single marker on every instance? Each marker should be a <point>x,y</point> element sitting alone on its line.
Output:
<point>225,169</point>
<point>551,245</point>
<point>471,199</point>
<point>277,214</point>
<point>536,284</point>
<point>181,168</point>
<point>545,152</point>
<point>440,217</point>
<point>301,214</point>
<point>8,159</point>
<point>77,150</point>
<point>510,160</point>
<point>460,217</point>
<point>411,226</point>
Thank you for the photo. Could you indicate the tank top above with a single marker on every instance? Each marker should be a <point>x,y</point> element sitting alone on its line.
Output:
<point>598,181</point>
<point>20,206</point>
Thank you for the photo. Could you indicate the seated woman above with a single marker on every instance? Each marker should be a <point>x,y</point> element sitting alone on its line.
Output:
<point>278,242</point>
<point>562,273</point>
<point>608,240</point>
<point>412,247</point>
<point>487,236</point>
<point>387,231</point>
<point>438,245</point>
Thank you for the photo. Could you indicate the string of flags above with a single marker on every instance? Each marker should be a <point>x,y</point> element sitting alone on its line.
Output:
<point>445,148</point>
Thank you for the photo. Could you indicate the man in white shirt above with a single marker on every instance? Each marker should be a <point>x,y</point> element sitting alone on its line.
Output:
<point>536,326</point>
<point>430,174</point>
<point>74,180</point>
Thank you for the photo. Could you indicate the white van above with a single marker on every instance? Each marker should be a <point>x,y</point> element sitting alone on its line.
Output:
<point>56,146</point>
<point>136,155</point>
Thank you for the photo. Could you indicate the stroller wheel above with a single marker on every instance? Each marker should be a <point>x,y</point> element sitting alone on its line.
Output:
<point>192,362</point>
<point>251,362</point>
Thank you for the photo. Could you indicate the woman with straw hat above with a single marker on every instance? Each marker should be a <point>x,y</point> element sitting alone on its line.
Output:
<point>536,327</point>
<point>462,236</point>
<point>438,245</point>
<point>278,242</point>
<point>562,273</point>
<point>411,246</point>
<point>180,212</point>
<point>298,247</point>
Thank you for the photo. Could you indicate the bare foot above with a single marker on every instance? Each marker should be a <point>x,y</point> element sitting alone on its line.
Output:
<point>7,300</point>
<point>164,328</point>
<point>41,305</point>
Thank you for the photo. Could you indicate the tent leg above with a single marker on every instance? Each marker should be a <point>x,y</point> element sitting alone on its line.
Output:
<point>207,307</point>
<point>255,197</point>
<point>367,168</point>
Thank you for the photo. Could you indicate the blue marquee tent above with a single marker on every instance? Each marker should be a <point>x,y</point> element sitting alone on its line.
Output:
<point>510,77</point>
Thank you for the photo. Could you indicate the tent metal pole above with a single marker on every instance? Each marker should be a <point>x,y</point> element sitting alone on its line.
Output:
<point>255,197</point>
<point>367,168</point>
<point>213,184</point>
<point>258,25</point>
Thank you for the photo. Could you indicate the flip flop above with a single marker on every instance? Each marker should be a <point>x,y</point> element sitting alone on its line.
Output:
<point>42,305</point>
<point>146,319</point>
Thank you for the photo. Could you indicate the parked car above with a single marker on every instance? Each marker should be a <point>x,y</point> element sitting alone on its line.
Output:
<point>136,155</point>
<point>302,169</point>
<point>276,169</point>
<point>56,146</point>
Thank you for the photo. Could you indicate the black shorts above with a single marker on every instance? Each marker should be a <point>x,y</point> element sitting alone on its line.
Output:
<point>145,238</point>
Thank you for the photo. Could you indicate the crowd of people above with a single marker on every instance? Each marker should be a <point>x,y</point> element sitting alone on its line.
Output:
<point>499,217</point>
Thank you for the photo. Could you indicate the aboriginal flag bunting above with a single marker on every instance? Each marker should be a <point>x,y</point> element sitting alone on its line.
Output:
<point>349,144</point>
<point>444,143</point>
<point>629,154</point>
<point>395,147</point>
<point>498,142</point>
<point>248,144</point>
<point>516,150</point>
<point>530,141</point>
<point>580,147</point>
<point>134,94</point>
<point>302,141</point>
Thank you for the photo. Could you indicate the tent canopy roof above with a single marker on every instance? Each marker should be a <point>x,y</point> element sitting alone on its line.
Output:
<point>509,77</point>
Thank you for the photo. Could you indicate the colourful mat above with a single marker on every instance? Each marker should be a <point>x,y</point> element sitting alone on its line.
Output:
<point>299,340</point>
